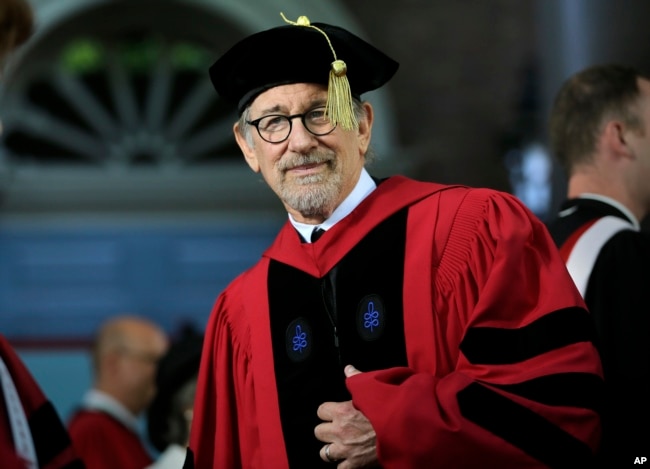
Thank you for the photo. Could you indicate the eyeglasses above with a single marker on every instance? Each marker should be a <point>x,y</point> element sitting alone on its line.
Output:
<point>276,128</point>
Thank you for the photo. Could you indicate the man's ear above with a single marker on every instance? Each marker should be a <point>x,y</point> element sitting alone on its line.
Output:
<point>249,154</point>
<point>615,138</point>
<point>110,362</point>
<point>365,128</point>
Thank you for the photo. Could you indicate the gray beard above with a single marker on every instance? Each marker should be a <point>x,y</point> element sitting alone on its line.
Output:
<point>314,195</point>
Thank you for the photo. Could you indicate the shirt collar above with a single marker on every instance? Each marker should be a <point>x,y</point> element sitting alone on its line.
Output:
<point>364,187</point>
<point>614,203</point>
<point>98,400</point>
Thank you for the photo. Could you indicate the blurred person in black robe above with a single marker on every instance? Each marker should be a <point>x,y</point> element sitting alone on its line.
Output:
<point>600,132</point>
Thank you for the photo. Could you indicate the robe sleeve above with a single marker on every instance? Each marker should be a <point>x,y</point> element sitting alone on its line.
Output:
<point>523,380</point>
<point>223,430</point>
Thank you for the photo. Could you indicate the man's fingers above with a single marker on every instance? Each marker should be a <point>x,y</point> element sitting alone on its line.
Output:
<point>325,411</point>
<point>326,453</point>
<point>350,371</point>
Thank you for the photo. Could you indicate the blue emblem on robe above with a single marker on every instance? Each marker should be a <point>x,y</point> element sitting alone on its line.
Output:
<point>298,340</point>
<point>371,317</point>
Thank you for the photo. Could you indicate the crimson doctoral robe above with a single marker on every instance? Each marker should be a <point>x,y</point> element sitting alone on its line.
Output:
<point>51,441</point>
<point>475,345</point>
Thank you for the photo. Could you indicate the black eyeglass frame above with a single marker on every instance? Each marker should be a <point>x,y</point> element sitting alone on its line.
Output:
<point>255,123</point>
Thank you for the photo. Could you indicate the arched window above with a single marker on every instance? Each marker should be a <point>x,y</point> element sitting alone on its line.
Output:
<point>110,107</point>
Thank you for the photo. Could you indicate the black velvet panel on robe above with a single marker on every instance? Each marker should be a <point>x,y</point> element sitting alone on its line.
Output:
<point>353,315</point>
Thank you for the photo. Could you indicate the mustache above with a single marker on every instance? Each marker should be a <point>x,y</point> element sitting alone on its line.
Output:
<point>293,161</point>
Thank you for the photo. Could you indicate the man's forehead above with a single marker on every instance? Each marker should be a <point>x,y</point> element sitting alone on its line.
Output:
<point>291,96</point>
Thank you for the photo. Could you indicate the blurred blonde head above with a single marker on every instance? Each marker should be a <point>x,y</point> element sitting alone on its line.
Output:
<point>16,25</point>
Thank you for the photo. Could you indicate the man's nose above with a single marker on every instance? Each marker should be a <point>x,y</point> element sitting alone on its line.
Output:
<point>300,138</point>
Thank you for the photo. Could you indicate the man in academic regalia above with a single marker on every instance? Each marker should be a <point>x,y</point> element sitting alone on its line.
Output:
<point>392,322</point>
<point>32,434</point>
<point>600,132</point>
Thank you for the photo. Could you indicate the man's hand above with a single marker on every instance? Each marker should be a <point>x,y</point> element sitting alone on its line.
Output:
<point>348,434</point>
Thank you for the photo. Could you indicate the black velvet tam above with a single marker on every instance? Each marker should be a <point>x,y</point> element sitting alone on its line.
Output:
<point>297,54</point>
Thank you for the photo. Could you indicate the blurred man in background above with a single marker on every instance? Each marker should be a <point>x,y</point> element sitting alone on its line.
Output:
<point>105,429</point>
<point>600,132</point>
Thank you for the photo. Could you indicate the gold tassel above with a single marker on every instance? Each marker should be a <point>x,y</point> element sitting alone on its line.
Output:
<point>339,106</point>
<point>339,97</point>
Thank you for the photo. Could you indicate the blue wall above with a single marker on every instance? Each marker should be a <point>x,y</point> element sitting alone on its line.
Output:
<point>59,283</point>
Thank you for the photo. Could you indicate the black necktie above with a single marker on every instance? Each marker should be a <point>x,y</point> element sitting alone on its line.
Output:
<point>316,234</point>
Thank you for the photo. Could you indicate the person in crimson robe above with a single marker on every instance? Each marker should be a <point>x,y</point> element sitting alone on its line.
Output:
<point>392,322</point>
<point>105,429</point>
<point>600,132</point>
<point>32,434</point>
